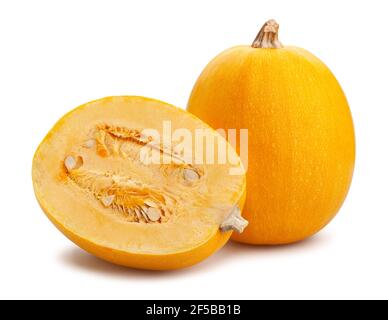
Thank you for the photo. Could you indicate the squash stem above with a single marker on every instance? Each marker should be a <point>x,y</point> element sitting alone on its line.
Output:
<point>268,36</point>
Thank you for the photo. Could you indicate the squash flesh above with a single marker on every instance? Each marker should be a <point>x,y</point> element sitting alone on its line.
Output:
<point>193,225</point>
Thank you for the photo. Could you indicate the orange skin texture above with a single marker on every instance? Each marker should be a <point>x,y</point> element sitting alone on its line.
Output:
<point>301,137</point>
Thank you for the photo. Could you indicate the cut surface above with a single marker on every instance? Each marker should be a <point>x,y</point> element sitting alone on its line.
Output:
<point>118,180</point>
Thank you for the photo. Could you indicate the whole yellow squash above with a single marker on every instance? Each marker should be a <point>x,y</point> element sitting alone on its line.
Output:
<point>301,135</point>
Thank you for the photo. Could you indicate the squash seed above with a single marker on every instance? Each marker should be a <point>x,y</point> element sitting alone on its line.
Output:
<point>153,214</point>
<point>107,200</point>
<point>143,212</point>
<point>190,175</point>
<point>69,163</point>
<point>143,138</point>
<point>138,213</point>
<point>150,203</point>
<point>131,214</point>
<point>90,143</point>
<point>72,163</point>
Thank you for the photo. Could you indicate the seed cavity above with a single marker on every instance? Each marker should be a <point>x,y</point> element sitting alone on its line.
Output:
<point>127,197</point>
<point>115,140</point>
<point>125,143</point>
<point>132,200</point>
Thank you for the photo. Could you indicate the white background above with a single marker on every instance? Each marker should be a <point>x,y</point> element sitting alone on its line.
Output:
<point>55,55</point>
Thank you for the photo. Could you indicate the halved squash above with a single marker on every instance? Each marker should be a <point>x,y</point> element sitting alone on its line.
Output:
<point>122,178</point>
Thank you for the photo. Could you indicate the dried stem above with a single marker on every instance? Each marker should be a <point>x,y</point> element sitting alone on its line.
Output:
<point>268,36</point>
<point>234,221</point>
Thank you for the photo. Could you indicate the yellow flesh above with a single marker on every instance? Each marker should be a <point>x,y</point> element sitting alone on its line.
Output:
<point>192,212</point>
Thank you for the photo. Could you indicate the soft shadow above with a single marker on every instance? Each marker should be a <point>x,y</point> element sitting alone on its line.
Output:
<point>77,258</point>
<point>234,248</point>
<point>82,260</point>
